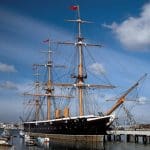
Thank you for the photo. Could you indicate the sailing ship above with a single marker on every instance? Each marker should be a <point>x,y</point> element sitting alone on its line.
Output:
<point>67,123</point>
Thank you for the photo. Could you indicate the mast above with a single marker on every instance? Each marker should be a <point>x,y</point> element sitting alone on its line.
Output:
<point>80,66</point>
<point>80,77</point>
<point>80,44</point>
<point>37,86</point>
<point>36,95</point>
<point>48,85</point>
<point>49,88</point>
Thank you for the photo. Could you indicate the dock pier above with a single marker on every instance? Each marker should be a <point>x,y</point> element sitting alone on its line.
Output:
<point>134,136</point>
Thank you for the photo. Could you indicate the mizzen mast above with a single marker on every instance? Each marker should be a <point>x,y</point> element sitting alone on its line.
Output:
<point>37,89</point>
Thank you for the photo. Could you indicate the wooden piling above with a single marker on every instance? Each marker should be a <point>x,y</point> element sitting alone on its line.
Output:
<point>136,138</point>
<point>118,138</point>
<point>128,138</point>
<point>109,138</point>
<point>144,139</point>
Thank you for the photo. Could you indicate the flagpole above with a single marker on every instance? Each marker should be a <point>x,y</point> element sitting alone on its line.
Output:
<point>78,11</point>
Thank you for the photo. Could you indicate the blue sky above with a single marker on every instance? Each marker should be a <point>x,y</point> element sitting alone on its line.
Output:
<point>122,26</point>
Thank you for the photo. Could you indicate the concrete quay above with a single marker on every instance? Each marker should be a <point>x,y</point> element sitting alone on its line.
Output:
<point>136,136</point>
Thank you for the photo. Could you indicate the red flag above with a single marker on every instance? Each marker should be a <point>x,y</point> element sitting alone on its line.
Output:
<point>74,7</point>
<point>45,41</point>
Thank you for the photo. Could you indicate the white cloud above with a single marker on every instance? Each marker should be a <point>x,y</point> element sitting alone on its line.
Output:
<point>97,68</point>
<point>7,68</point>
<point>142,100</point>
<point>8,85</point>
<point>26,87</point>
<point>134,32</point>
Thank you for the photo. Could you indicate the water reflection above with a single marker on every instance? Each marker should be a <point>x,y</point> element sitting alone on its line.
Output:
<point>19,144</point>
<point>74,146</point>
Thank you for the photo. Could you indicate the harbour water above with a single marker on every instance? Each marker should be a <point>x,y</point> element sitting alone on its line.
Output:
<point>19,144</point>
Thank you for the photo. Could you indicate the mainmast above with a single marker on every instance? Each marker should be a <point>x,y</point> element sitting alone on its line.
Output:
<point>80,44</point>
<point>81,76</point>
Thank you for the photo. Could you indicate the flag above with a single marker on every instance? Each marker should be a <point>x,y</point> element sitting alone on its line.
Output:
<point>74,7</point>
<point>45,41</point>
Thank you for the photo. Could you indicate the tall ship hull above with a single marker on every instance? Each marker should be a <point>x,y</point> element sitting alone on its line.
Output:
<point>85,125</point>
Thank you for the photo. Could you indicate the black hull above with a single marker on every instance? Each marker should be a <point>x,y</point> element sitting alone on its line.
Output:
<point>72,126</point>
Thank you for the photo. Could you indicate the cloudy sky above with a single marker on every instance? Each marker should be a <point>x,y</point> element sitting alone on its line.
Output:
<point>121,26</point>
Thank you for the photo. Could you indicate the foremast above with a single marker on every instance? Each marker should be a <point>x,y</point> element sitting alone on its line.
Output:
<point>49,88</point>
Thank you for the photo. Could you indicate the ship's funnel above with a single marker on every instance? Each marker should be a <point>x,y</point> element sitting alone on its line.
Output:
<point>66,112</point>
<point>57,113</point>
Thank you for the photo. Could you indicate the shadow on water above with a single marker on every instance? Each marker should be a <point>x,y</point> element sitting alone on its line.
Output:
<point>76,146</point>
<point>19,144</point>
